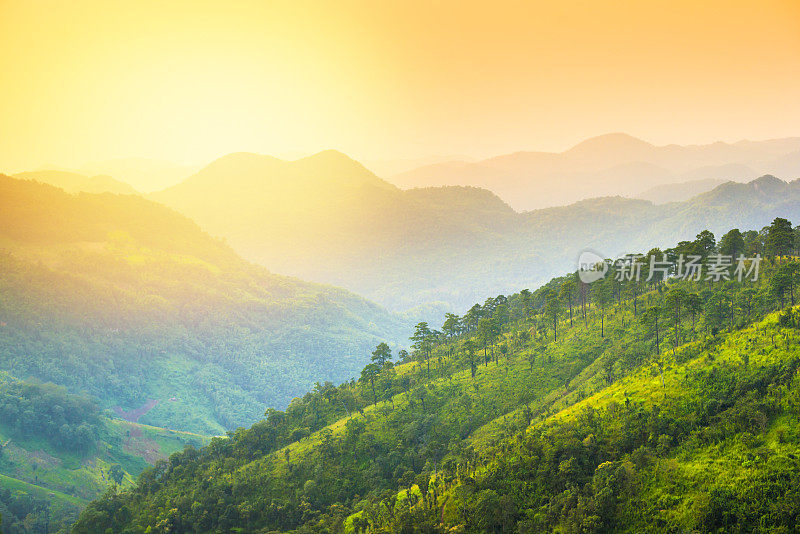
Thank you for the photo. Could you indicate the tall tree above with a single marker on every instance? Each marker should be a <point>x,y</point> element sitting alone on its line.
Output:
<point>779,240</point>
<point>650,318</point>
<point>451,325</point>
<point>527,302</point>
<point>469,348</point>
<point>583,292</point>
<point>552,309</point>
<point>567,294</point>
<point>368,375</point>
<point>653,267</point>
<point>423,343</point>
<point>674,304</point>
<point>694,306</point>
<point>745,302</point>
<point>602,291</point>
<point>382,355</point>
<point>487,332</point>
<point>732,244</point>
<point>785,280</point>
<point>501,315</point>
<point>754,242</point>
<point>704,244</point>
<point>473,315</point>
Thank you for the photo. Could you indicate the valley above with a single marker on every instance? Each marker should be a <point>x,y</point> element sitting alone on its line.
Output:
<point>431,250</point>
<point>376,267</point>
<point>665,404</point>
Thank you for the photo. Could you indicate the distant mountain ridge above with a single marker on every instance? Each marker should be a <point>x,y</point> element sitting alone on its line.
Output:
<point>144,174</point>
<point>678,192</point>
<point>78,183</point>
<point>611,164</point>
<point>329,219</point>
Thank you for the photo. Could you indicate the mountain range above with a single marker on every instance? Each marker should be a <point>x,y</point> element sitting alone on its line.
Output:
<point>328,219</point>
<point>616,406</point>
<point>678,192</point>
<point>611,164</point>
<point>126,300</point>
<point>425,250</point>
<point>164,309</point>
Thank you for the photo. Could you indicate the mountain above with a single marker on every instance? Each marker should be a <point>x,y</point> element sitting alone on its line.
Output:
<point>616,406</point>
<point>76,183</point>
<point>786,165</point>
<point>327,218</point>
<point>608,165</point>
<point>427,250</point>
<point>144,174</point>
<point>390,167</point>
<point>610,149</point>
<point>238,191</point>
<point>678,192</point>
<point>616,225</point>
<point>126,300</point>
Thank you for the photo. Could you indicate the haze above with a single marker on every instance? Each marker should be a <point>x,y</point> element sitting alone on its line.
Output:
<point>190,81</point>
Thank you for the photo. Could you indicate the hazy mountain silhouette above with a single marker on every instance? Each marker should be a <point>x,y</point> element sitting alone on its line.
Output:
<point>612,164</point>
<point>329,219</point>
<point>390,167</point>
<point>75,183</point>
<point>677,192</point>
<point>143,174</point>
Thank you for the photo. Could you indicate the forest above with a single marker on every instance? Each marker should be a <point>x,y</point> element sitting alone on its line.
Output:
<point>372,267</point>
<point>48,412</point>
<point>667,402</point>
<point>122,299</point>
<point>58,451</point>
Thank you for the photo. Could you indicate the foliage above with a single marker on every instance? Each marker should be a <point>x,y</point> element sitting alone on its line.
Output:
<point>46,411</point>
<point>123,299</point>
<point>605,426</point>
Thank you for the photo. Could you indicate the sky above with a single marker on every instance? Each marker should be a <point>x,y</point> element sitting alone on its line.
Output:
<point>188,82</point>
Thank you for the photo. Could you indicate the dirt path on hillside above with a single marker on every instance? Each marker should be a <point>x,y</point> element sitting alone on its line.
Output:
<point>134,415</point>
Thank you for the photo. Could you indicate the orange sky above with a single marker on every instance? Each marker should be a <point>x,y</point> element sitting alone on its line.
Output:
<point>188,81</point>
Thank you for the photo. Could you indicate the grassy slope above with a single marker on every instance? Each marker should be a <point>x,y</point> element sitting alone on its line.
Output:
<point>498,389</point>
<point>69,481</point>
<point>565,379</point>
<point>682,481</point>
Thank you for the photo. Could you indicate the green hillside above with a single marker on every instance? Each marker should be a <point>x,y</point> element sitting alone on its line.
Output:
<point>58,451</point>
<point>126,300</point>
<point>620,405</point>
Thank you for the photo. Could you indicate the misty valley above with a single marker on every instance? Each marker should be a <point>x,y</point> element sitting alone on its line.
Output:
<point>155,381</point>
<point>351,267</point>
